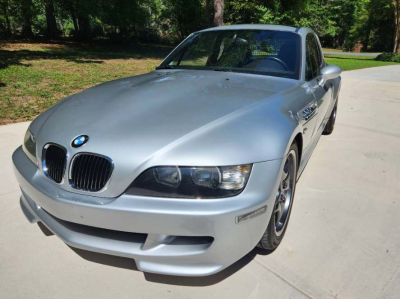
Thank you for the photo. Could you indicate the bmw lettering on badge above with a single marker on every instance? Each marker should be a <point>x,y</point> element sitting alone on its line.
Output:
<point>80,140</point>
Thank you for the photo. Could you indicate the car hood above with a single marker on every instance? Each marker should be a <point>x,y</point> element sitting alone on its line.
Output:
<point>177,117</point>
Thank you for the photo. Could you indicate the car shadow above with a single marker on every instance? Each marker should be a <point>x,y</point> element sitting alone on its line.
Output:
<point>129,264</point>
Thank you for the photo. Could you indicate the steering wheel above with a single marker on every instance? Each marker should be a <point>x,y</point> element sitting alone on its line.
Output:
<point>280,61</point>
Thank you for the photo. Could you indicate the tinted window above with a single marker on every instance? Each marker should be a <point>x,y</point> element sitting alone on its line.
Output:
<point>275,53</point>
<point>314,59</point>
<point>320,55</point>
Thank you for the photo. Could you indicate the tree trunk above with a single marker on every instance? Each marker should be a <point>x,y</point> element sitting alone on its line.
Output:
<point>219,12</point>
<point>84,27</point>
<point>367,38</point>
<point>26,8</point>
<point>207,12</point>
<point>61,25</point>
<point>4,8</point>
<point>52,31</point>
<point>8,29</point>
<point>396,6</point>
<point>73,17</point>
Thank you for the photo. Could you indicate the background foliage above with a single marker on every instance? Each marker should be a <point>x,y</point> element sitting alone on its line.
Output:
<point>340,23</point>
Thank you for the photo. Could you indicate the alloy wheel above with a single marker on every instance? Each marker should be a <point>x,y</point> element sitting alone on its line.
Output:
<point>284,196</point>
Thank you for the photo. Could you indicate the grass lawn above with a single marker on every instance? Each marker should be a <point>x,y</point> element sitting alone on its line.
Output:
<point>348,63</point>
<point>34,76</point>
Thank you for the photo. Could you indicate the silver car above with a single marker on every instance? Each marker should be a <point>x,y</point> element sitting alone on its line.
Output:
<point>188,168</point>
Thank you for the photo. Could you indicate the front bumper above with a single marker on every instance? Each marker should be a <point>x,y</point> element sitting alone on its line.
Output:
<point>164,235</point>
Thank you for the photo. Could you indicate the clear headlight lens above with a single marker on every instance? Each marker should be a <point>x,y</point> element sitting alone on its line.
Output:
<point>169,176</point>
<point>209,177</point>
<point>191,182</point>
<point>29,146</point>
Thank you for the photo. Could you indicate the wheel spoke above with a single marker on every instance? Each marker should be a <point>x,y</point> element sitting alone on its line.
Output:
<point>277,207</point>
<point>282,204</point>
<point>286,183</point>
<point>278,212</point>
<point>285,171</point>
<point>284,175</point>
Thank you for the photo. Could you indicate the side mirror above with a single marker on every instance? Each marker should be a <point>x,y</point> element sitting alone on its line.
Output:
<point>329,72</point>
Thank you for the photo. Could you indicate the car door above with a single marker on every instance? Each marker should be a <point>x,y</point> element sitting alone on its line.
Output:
<point>309,107</point>
<point>323,94</point>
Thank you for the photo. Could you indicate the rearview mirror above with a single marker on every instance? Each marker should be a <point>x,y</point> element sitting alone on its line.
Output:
<point>329,72</point>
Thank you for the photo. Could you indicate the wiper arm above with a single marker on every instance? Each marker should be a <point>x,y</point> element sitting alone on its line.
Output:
<point>223,70</point>
<point>164,67</point>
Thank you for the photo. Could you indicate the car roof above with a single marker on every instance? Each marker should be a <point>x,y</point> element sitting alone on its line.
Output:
<point>254,26</point>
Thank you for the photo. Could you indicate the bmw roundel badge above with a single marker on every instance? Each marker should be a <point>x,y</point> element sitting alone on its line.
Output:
<point>80,140</point>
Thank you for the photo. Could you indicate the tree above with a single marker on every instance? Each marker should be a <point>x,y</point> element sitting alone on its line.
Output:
<point>372,26</point>
<point>69,6</point>
<point>51,30</point>
<point>27,13</point>
<point>125,16</point>
<point>80,12</point>
<point>396,7</point>
<point>218,12</point>
<point>184,16</point>
<point>208,13</point>
<point>5,11</point>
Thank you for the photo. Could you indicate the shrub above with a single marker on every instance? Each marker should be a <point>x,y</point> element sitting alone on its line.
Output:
<point>389,57</point>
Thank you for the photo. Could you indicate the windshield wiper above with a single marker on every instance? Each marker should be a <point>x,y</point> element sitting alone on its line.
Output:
<point>223,70</point>
<point>164,67</point>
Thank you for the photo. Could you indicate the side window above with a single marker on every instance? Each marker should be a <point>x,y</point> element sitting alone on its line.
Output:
<point>319,51</point>
<point>313,57</point>
<point>309,68</point>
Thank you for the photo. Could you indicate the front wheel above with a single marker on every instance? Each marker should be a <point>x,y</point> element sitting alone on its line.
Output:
<point>331,122</point>
<point>283,204</point>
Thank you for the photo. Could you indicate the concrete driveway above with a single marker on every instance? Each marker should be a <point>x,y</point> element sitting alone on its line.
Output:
<point>343,240</point>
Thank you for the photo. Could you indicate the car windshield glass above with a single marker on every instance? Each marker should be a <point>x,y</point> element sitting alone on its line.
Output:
<point>275,53</point>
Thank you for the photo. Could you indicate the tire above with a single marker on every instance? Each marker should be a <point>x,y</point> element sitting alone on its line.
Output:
<point>331,122</point>
<point>277,226</point>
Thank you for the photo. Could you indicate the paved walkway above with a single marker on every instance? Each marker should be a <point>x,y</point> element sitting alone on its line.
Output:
<point>343,240</point>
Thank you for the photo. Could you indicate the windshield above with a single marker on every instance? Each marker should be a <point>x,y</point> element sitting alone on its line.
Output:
<point>274,53</point>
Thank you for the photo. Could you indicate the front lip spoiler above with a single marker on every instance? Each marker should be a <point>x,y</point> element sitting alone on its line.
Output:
<point>165,265</point>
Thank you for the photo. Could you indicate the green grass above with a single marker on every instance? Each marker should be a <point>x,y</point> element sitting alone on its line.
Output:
<point>34,76</point>
<point>348,63</point>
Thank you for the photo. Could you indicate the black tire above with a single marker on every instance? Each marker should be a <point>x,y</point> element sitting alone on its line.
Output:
<point>271,238</point>
<point>331,122</point>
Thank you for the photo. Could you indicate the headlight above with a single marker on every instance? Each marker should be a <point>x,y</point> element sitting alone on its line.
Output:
<point>191,182</point>
<point>29,146</point>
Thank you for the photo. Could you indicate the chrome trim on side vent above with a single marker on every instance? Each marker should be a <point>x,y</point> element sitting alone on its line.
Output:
<point>308,112</point>
<point>54,161</point>
<point>90,172</point>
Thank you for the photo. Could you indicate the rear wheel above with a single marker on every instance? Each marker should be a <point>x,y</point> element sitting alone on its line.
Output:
<point>283,203</point>
<point>331,122</point>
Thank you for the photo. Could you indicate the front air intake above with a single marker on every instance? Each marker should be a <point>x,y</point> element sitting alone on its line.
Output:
<point>54,161</point>
<point>90,172</point>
